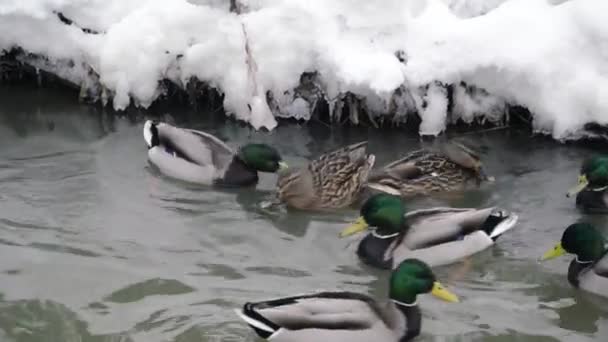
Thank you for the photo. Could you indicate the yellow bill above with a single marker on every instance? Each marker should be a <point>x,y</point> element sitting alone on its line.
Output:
<point>582,183</point>
<point>441,292</point>
<point>554,252</point>
<point>283,165</point>
<point>359,226</point>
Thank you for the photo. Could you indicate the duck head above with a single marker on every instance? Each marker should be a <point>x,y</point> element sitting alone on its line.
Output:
<point>413,277</point>
<point>383,212</point>
<point>262,157</point>
<point>593,174</point>
<point>581,239</point>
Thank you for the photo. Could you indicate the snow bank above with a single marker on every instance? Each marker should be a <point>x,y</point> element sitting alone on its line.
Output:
<point>547,55</point>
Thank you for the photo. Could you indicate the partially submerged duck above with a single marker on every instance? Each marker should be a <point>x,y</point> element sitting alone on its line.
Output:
<point>450,167</point>
<point>590,191</point>
<point>589,269</point>
<point>198,157</point>
<point>437,236</point>
<point>332,180</point>
<point>348,316</point>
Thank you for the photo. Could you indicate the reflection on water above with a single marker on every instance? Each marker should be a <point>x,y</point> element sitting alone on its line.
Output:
<point>97,246</point>
<point>46,320</point>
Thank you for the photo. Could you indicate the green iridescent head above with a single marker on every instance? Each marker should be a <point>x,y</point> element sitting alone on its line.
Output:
<point>593,174</point>
<point>581,239</point>
<point>262,157</point>
<point>413,277</point>
<point>384,212</point>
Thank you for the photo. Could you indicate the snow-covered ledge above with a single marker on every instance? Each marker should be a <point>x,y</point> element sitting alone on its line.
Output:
<point>444,60</point>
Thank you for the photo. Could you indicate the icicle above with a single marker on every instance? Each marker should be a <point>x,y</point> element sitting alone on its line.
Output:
<point>38,77</point>
<point>260,114</point>
<point>435,112</point>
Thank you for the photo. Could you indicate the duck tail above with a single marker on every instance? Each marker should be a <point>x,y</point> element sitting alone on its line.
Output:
<point>262,326</point>
<point>499,222</point>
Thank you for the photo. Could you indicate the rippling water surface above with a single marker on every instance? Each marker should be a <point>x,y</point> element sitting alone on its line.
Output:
<point>96,246</point>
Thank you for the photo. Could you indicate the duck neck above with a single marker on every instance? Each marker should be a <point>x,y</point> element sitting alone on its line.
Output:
<point>575,269</point>
<point>239,173</point>
<point>412,318</point>
<point>582,263</point>
<point>372,249</point>
<point>383,233</point>
<point>591,199</point>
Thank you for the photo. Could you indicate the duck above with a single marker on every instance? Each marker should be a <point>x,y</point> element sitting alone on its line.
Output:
<point>349,316</point>
<point>450,167</point>
<point>592,183</point>
<point>589,269</point>
<point>333,180</point>
<point>437,236</point>
<point>202,158</point>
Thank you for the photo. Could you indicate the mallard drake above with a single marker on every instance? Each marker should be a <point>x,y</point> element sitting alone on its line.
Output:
<point>450,167</point>
<point>199,157</point>
<point>437,236</point>
<point>589,269</point>
<point>590,191</point>
<point>332,180</point>
<point>348,316</point>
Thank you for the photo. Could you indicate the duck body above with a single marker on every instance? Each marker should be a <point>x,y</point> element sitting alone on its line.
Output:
<point>423,172</point>
<point>330,316</point>
<point>436,236</point>
<point>348,316</point>
<point>197,157</point>
<point>332,180</point>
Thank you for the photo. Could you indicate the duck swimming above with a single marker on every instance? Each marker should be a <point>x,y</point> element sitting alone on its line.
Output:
<point>437,236</point>
<point>332,180</point>
<point>423,172</point>
<point>592,184</point>
<point>348,316</point>
<point>201,158</point>
<point>589,269</point>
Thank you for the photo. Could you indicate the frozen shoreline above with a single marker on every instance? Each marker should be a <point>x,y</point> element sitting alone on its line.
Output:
<point>439,60</point>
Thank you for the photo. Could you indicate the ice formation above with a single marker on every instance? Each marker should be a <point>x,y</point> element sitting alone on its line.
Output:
<point>278,58</point>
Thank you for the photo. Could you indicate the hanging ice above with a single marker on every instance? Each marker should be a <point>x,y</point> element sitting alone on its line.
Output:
<point>547,55</point>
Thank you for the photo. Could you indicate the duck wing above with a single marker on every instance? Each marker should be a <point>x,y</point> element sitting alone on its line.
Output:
<point>438,225</point>
<point>411,166</point>
<point>337,176</point>
<point>221,153</point>
<point>195,146</point>
<point>420,172</point>
<point>335,311</point>
<point>461,155</point>
<point>446,252</point>
<point>442,236</point>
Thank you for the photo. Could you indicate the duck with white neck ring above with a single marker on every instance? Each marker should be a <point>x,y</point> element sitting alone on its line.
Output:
<point>348,316</point>
<point>437,236</point>
<point>197,157</point>
<point>589,269</point>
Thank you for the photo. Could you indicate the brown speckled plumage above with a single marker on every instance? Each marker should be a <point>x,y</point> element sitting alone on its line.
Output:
<point>333,180</point>
<point>424,172</point>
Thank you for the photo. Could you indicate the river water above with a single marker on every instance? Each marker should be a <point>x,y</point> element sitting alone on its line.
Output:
<point>96,246</point>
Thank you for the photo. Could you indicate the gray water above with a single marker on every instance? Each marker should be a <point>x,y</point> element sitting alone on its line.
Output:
<point>96,246</point>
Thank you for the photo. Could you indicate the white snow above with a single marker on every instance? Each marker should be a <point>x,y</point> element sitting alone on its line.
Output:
<point>550,56</point>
